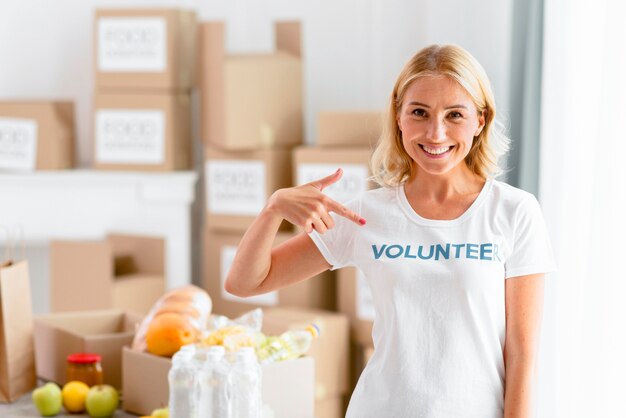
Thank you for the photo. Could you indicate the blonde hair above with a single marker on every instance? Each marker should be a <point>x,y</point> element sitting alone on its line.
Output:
<point>390,163</point>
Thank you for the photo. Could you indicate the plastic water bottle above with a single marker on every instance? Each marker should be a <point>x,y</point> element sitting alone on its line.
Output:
<point>245,380</point>
<point>214,390</point>
<point>182,385</point>
<point>289,345</point>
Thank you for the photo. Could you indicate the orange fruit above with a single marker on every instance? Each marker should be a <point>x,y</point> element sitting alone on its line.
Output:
<point>168,332</point>
<point>74,394</point>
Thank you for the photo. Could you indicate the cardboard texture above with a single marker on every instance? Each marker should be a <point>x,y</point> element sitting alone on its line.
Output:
<point>102,332</point>
<point>17,352</point>
<point>349,128</point>
<point>287,387</point>
<point>331,350</point>
<point>145,49</point>
<point>123,272</point>
<point>219,249</point>
<point>238,185</point>
<point>147,132</point>
<point>354,301</point>
<point>36,135</point>
<point>271,84</point>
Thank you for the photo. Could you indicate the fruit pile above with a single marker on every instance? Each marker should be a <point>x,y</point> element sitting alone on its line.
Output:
<point>99,401</point>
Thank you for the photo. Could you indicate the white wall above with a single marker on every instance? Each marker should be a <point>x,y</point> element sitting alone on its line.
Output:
<point>353,49</point>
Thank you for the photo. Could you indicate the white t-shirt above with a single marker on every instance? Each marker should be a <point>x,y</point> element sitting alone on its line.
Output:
<point>439,296</point>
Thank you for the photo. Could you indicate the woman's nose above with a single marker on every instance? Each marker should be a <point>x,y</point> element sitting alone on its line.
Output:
<point>436,130</point>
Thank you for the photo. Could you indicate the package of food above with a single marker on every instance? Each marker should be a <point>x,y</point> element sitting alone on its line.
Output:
<point>232,334</point>
<point>178,318</point>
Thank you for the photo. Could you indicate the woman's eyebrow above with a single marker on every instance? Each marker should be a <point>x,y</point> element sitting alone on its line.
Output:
<point>456,106</point>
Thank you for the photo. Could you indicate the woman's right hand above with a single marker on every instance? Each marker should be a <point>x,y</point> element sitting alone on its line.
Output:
<point>308,208</point>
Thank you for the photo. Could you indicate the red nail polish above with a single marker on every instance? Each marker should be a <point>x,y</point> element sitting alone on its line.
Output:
<point>362,221</point>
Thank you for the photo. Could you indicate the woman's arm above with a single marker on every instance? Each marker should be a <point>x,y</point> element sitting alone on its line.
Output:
<point>257,268</point>
<point>524,301</point>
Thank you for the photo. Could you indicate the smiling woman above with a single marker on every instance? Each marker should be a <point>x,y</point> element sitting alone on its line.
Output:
<point>454,258</point>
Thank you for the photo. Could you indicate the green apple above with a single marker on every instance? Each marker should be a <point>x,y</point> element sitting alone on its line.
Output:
<point>101,401</point>
<point>48,399</point>
<point>160,413</point>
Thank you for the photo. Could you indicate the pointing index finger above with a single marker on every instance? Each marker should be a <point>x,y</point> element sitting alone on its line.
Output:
<point>341,210</point>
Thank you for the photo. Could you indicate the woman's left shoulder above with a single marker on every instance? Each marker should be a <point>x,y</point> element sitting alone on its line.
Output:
<point>511,195</point>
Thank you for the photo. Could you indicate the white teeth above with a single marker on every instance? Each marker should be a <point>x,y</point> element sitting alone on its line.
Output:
<point>435,151</point>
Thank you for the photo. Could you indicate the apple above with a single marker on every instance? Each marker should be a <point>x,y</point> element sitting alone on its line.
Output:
<point>102,401</point>
<point>160,413</point>
<point>48,399</point>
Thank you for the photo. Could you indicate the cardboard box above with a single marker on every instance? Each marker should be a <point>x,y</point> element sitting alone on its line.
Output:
<point>102,332</point>
<point>331,350</point>
<point>148,132</point>
<point>349,128</point>
<point>354,299</point>
<point>287,387</point>
<point>334,407</point>
<point>313,163</point>
<point>251,101</point>
<point>36,135</point>
<point>219,252</point>
<point>145,49</point>
<point>359,357</point>
<point>123,271</point>
<point>238,185</point>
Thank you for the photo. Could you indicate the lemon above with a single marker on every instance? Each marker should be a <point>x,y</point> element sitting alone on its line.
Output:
<point>74,394</point>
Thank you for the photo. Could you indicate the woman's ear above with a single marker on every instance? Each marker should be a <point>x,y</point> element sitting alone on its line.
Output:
<point>481,123</point>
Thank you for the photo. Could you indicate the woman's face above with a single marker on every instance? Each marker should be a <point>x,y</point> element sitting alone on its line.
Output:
<point>438,120</point>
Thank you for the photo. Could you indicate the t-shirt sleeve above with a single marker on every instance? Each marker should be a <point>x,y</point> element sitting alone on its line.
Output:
<point>531,252</point>
<point>337,244</point>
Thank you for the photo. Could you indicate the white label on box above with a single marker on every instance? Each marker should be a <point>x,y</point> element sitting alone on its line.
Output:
<point>132,44</point>
<point>130,136</point>
<point>227,255</point>
<point>353,181</point>
<point>364,301</point>
<point>18,144</point>
<point>235,187</point>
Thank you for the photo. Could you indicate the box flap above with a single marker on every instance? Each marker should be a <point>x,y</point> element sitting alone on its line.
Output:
<point>145,383</point>
<point>288,37</point>
<point>137,292</point>
<point>138,254</point>
<point>80,275</point>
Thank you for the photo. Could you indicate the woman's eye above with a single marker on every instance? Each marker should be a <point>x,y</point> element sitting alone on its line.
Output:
<point>455,115</point>
<point>419,112</point>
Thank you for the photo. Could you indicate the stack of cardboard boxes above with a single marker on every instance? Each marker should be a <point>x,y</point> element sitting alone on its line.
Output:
<point>144,72</point>
<point>251,112</point>
<point>251,115</point>
<point>346,139</point>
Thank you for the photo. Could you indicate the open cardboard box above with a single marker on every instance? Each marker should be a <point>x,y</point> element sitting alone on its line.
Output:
<point>287,386</point>
<point>102,332</point>
<point>271,84</point>
<point>122,272</point>
<point>331,350</point>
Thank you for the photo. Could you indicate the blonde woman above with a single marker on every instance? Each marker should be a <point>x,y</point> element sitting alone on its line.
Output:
<point>455,259</point>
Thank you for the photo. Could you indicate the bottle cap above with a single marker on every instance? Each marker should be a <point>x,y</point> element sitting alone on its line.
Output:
<point>314,329</point>
<point>84,358</point>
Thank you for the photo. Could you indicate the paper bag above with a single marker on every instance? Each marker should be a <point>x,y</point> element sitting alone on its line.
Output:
<point>17,353</point>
